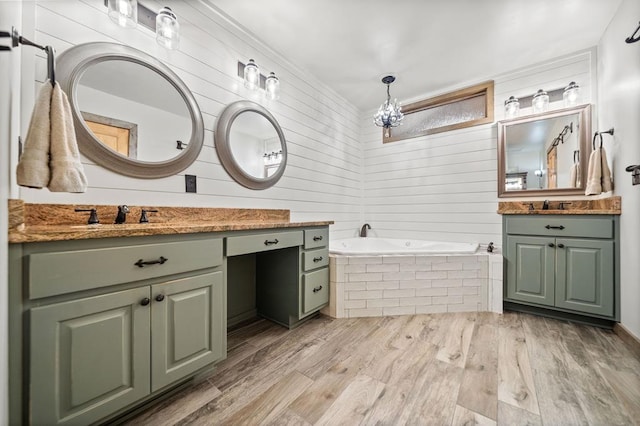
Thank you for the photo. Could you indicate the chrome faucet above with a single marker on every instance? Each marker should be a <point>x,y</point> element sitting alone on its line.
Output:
<point>363,230</point>
<point>122,214</point>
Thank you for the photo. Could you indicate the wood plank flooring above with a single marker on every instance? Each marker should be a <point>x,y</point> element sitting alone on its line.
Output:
<point>439,369</point>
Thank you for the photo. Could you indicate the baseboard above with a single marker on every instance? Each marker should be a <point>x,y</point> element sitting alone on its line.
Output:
<point>629,338</point>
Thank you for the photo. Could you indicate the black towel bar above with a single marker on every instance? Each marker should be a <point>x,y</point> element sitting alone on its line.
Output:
<point>635,36</point>
<point>610,132</point>
<point>17,39</point>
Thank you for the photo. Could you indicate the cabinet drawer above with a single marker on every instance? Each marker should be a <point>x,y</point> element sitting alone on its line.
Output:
<point>262,242</point>
<point>561,226</point>
<point>314,238</point>
<point>315,259</point>
<point>55,273</point>
<point>315,290</point>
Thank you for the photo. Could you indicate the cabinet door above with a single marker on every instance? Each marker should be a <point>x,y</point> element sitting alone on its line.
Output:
<point>188,327</point>
<point>89,357</point>
<point>585,277</point>
<point>530,269</point>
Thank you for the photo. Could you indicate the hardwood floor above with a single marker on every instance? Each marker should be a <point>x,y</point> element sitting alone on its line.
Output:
<point>440,369</point>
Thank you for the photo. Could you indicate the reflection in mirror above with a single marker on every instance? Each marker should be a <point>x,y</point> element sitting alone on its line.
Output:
<point>544,153</point>
<point>132,114</point>
<point>251,145</point>
<point>256,146</point>
<point>139,97</point>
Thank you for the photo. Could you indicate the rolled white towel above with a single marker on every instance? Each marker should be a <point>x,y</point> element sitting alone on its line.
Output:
<point>594,174</point>
<point>67,173</point>
<point>33,167</point>
<point>573,176</point>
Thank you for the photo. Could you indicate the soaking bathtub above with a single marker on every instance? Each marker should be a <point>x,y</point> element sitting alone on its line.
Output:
<point>394,246</point>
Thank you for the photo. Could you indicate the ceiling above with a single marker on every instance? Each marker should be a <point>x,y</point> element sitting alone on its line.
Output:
<point>429,45</point>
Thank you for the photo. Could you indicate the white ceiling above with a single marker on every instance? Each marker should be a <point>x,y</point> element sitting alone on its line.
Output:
<point>428,44</point>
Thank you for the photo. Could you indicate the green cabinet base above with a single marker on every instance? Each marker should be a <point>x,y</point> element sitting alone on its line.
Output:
<point>556,314</point>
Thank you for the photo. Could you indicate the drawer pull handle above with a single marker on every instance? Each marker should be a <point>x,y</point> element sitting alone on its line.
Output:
<point>145,301</point>
<point>317,289</point>
<point>141,263</point>
<point>551,245</point>
<point>554,227</point>
<point>270,242</point>
<point>317,259</point>
<point>560,245</point>
<point>160,297</point>
<point>317,238</point>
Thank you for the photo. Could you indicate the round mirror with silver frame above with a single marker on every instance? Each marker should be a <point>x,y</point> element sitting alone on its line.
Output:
<point>251,145</point>
<point>120,93</point>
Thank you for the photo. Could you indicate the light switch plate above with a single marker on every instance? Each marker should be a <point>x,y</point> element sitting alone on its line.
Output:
<point>190,183</point>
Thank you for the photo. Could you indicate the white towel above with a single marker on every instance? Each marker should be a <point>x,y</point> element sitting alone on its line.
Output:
<point>33,167</point>
<point>594,174</point>
<point>67,173</point>
<point>578,175</point>
<point>573,176</point>
<point>607,185</point>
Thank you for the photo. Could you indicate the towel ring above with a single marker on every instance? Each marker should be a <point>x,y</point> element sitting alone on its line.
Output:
<point>594,140</point>
<point>576,156</point>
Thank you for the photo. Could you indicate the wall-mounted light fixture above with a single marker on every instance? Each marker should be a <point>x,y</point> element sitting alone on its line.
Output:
<point>389,114</point>
<point>253,80</point>
<point>511,107</point>
<point>540,101</point>
<point>571,94</point>
<point>129,13</point>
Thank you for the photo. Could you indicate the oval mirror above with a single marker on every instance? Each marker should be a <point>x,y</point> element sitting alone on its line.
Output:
<point>132,114</point>
<point>251,145</point>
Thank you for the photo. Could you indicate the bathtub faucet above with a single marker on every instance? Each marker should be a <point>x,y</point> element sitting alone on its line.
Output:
<point>363,230</point>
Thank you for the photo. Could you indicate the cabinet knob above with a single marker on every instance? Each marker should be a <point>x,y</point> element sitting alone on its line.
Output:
<point>145,301</point>
<point>317,259</point>
<point>551,245</point>
<point>317,289</point>
<point>560,245</point>
<point>160,297</point>
<point>317,238</point>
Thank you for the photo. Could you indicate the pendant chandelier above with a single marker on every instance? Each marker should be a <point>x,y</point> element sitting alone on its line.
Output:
<point>389,114</point>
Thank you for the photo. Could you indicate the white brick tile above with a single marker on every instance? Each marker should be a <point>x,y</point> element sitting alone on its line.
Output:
<point>449,266</point>
<point>356,260</point>
<point>376,294</point>
<point>408,292</point>
<point>382,303</point>
<point>340,260</point>
<point>355,304</point>
<point>355,269</point>
<point>474,282</point>
<point>457,291</point>
<point>415,267</point>
<point>446,300</point>
<point>400,310</point>
<point>431,309</point>
<point>398,276</point>
<point>462,259</point>
<point>368,312</point>
<point>446,283</point>
<point>476,266</point>
<point>463,308</point>
<point>415,284</point>
<point>385,267</point>
<point>469,299</point>
<point>365,277</point>
<point>383,285</point>
<point>430,259</point>
<point>415,301</point>
<point>431,292</point>
<point>357,286</point>
<point>399,259</point>
<point>336,272</point>
<point>431,275</point>
<point>462,274</point>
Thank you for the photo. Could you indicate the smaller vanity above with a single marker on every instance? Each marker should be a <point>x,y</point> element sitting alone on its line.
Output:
<point>563,262</point>
<point>106,317</point>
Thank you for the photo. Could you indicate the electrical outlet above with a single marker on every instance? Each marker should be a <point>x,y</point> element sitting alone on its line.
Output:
<point>190,183</point>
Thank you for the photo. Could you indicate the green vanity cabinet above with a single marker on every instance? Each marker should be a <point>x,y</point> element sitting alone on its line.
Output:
<point>112,323</point>
<point>565,263</point>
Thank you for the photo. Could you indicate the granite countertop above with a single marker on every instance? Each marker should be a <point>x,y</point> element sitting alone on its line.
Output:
<point>610,205</point>
<point>59,222</point>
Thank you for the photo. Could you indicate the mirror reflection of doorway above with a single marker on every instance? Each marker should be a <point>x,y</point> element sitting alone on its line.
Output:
<point>119,135</point>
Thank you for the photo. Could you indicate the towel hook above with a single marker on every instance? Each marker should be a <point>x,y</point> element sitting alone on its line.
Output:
<point>17,39</point>
<point>610,132</point>
<point>576,156</point>
<point>635,36</point>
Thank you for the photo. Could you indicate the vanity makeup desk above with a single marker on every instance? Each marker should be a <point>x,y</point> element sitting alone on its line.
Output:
<point>106,317</point>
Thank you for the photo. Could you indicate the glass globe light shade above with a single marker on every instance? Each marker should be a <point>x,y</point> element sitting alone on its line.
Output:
<point>123,12</point>
<point>272,87</point>
<point>511,107</point>
<point>251,75</point>
<point>571,95</point>
<point>540,102</point>
<point>167,29</point>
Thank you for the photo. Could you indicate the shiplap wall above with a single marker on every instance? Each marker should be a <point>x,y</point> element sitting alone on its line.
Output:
<point>323,176</point>
<point>443,187</point>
